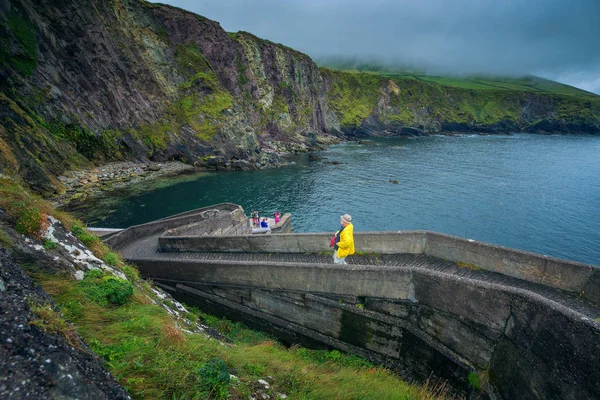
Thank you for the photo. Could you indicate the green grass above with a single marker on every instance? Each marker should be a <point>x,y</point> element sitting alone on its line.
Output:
<point>52,321</point>
<point>353,96</point>
<point>50,245</point>
<point>474,380</point>
<point>427,101</point>
<point>105,289</point>
<point>81,232</point>
<point>475,82</point>
<point>191,60</point>
<point>111,258</point>
<point>5,239</point>
<point>153,358</point>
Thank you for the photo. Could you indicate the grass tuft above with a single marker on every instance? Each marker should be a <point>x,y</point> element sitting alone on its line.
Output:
<point>111,258</point>
<point>130,272</point>
<point>106,289</point>
<point>467,265</point>
<point>5,240</point>
<point>52,322</point>
<point>50,245</point>
<point>173,335</point>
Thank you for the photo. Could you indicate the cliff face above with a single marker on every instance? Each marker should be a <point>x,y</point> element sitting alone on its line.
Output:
<point>98,81</point>
<point>109,80</point>
<point>368,103</point>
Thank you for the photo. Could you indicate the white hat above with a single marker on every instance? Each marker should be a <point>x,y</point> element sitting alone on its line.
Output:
<point>347,218</point>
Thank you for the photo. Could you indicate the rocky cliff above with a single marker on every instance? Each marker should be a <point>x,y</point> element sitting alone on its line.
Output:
<point>82,84</point>
<point>368,103</point>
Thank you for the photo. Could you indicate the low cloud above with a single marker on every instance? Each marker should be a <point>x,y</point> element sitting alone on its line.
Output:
<point>550,38</point>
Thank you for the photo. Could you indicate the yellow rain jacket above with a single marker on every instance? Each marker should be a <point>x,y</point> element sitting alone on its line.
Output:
<point>346,243</point>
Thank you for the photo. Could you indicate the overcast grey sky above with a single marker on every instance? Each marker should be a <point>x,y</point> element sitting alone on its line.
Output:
<point>556,39</point>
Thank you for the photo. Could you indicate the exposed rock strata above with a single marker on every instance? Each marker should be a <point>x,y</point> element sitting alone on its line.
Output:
<point>104,81</point>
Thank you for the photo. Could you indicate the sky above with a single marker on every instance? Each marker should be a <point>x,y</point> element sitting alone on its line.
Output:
<point>554,39</point>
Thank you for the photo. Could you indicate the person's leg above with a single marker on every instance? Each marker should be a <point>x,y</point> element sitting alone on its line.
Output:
<point>337,260</point>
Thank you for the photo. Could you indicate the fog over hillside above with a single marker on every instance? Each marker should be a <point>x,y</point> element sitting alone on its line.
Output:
<point>555,39</point>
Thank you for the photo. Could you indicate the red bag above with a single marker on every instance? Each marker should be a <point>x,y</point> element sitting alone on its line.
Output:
<point>332,241</point>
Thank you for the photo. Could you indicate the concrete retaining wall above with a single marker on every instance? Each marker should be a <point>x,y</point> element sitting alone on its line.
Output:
<point>412,242</point>
<point>566,275</point>
<point>159,226</point>
<point>234,222</point>
<point>284,225</point>
<point>419,320</point>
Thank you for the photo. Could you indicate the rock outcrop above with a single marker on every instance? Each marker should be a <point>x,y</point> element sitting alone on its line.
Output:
<point>41,355</point>
<point>108,81</point>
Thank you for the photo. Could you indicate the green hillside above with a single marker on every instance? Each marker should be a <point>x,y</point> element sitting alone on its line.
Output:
<point>527,83</point>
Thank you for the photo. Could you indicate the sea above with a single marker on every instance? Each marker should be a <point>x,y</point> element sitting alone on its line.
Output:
<point>539,193</point>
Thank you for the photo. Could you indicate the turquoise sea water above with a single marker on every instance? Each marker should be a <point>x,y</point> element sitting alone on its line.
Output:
<point>531,192</point>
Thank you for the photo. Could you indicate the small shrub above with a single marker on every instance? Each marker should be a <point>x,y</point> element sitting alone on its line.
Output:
<point>94,273</point>
<point>50,245</point>
<point>474,380</point>
<point>333,355</point>
<point>77,228</point>
<point>107,289</point>
<point>214,379</point>
<point>32,222</point>
<point>118,291</point>
<point>111,258</point>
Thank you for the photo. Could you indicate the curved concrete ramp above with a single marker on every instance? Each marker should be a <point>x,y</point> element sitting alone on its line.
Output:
<point>421,302</point>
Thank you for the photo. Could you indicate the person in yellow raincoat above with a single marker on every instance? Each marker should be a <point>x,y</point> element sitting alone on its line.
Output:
<point>344,240</point>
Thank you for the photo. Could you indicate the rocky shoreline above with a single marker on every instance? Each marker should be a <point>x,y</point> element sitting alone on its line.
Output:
<point>82,184</point>
<point>88,183</point>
